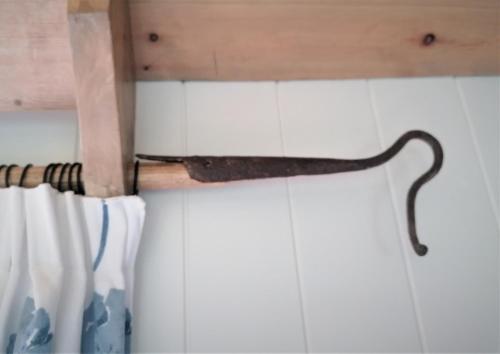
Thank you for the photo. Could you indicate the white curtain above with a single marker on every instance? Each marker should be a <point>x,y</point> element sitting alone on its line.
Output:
<point>66,271</point>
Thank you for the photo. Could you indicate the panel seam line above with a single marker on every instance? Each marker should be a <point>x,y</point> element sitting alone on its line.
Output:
<point>293,232</point>
<point>477,150</point>
<point>185,227</point>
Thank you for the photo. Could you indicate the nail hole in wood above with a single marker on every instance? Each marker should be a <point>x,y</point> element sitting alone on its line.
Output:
<point>428,39</point>
<point>153,37</point>
<point>18,102</point>
<point>146,67</point>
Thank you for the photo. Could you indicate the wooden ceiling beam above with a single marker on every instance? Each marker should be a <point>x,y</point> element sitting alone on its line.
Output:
<point>314,39</point>
<point>101,47</point>
<point>255,40</point>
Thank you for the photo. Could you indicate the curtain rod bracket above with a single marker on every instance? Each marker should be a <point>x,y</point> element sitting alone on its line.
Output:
<point>210,169</point>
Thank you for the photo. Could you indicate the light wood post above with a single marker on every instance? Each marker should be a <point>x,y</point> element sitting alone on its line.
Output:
<point>105,92</point>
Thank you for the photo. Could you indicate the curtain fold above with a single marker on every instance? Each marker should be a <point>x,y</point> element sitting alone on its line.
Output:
<point>67,271</point>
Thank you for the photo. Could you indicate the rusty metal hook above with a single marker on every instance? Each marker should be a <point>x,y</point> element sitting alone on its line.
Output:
<point>232,168</point>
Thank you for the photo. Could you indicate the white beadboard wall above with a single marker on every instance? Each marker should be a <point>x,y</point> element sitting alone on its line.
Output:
<point>311,264</point>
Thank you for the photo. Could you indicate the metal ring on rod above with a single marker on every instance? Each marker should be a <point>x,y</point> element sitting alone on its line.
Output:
<point>70,178</point>
<point>7,175</point>
<point>2,167</point>
<point>55,166</point>
<point>135,185</point>
<point>79,184</point>
<point>61,175</point>
<point>24,173</point>
<point>46,172</point>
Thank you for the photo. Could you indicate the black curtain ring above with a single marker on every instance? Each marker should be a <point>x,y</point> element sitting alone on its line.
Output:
<point>46,172</point>
<point>79,184</point>
<point>135,186</point>
<point>70,178</point>
<point>7,175</point>
<point>61,175</point>
<point>24,173</point>
<point>2,167</point>
<point>52,173</point>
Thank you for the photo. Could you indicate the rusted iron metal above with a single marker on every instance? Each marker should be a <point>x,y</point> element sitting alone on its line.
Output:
<point>233,168</point>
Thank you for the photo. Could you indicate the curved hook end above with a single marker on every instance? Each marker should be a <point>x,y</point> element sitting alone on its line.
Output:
<point>420,249</point>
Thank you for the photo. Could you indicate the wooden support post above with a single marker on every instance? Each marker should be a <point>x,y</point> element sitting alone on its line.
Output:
<point>105,92</point>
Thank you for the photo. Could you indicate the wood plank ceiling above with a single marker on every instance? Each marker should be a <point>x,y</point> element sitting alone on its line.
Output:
<point>254,40</point>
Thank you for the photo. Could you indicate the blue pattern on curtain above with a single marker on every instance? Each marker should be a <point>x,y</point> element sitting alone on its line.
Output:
<point>106,322</point>
<point>104,236</point>
<point>34,334</point>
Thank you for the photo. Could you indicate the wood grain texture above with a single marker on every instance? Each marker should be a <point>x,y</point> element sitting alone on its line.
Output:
<point>105,92</point>
<point>282,40</point>
<point>35,59</point>
<point>254,40</point>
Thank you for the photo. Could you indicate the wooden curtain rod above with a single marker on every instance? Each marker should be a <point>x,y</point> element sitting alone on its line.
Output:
<point>151,176</point>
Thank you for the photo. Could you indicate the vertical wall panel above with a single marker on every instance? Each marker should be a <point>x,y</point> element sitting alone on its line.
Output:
<point>457,282</point>
<point>481,100</point>
<point>327,118</point>
<point>160,112</point>
<point>232,118</point>
<point>242,291</point>
<point>357,297</point>
<point>159,296</point>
